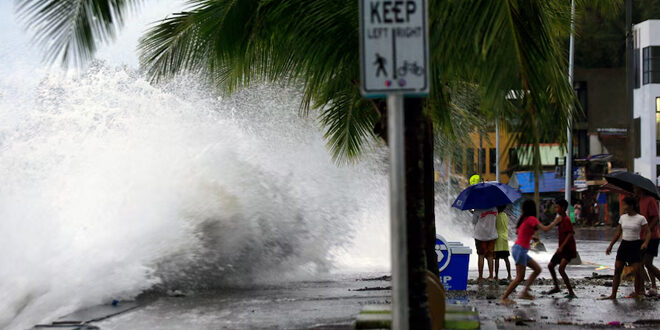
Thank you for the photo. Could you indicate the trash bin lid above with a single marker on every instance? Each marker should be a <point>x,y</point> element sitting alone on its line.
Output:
<point>460,250</point>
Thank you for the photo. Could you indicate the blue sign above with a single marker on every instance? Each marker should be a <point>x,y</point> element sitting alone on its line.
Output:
<point>443,251</point>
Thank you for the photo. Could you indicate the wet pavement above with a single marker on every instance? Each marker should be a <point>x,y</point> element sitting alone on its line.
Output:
<point>590,280</point>
<point>333,302</point>
<point>328,304</point>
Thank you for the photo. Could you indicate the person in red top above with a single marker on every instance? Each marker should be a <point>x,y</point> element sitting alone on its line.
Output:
<point>566,250</point>
<point>648,207</point>
<point>527,226</point>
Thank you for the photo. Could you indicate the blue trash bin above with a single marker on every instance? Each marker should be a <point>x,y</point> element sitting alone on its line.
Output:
<point>453,263</point>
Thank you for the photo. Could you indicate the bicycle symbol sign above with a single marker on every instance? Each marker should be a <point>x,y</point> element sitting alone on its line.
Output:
<point>393,47</point>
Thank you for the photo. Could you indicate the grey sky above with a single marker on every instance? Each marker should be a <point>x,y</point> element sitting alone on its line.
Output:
<point>19,57</point>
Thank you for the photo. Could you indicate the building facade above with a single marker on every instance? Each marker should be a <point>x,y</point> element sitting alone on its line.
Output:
<point>646,105</point>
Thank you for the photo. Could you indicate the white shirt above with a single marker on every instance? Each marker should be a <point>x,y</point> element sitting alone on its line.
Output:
<point>631,226</point>
<point>484,224</point>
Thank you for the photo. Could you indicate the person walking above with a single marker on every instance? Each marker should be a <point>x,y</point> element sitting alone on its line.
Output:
<point>648,207</point>
<point>566,250</point>
<point>526,227</point>
<point>485,235</point>
<point>502,242</point>
<point>631,224</point>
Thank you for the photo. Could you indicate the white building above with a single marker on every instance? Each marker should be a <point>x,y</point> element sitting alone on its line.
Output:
<point>647,98</point>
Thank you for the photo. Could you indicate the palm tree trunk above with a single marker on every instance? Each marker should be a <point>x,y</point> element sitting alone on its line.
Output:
<point>415,138</point>
<point>429,198</point>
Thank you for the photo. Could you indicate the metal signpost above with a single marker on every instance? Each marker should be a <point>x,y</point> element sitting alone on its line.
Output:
<point>394,63</point>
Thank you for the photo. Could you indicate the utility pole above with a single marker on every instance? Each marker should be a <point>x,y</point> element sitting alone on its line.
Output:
<point>569,130</point>
<point>630,80</point>
<point>497,150</point>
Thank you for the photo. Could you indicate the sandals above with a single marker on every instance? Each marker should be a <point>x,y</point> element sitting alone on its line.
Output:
<point>570,296</point>
<point>553,291</point>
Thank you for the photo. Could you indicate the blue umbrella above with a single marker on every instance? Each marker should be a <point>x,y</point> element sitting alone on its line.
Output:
<point>482,196</point>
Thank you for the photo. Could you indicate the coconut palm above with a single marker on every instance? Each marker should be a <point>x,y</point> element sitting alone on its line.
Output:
<point>495,46</point>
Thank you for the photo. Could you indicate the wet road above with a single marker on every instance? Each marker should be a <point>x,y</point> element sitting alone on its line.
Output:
<point>333,303</point>
<point>552,311</point>
<point>327,304</point>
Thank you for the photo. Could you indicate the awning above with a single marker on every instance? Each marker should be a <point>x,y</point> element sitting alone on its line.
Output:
<point>524,182</point>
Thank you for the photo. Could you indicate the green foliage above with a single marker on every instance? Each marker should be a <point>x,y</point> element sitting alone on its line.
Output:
<point>69,30</point>
<point>480,52</point>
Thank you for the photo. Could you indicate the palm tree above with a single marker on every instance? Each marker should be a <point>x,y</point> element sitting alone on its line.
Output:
<point>496,46</point>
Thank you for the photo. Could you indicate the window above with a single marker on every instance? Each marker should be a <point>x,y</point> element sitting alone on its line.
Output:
<point>637,127</point>
<point>469,161</point>
<point>513,158</point>
<point>651,65</point>
<point>636,68</point>
<point>492,153</point>
<point>657,126</point>
<point>458,164</point>
<point>482,160</point>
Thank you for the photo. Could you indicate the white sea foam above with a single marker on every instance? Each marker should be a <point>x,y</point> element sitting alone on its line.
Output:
<point>111,186</point>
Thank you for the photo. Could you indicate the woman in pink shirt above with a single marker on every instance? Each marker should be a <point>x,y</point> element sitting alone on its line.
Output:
<point>527,226</point>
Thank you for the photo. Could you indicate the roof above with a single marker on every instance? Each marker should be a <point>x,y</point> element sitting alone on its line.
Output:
<point>524,182</point>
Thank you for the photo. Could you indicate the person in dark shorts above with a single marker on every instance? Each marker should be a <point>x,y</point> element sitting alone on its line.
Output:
<point>648,207</point>
<point>485,235</point>
<point>631,224</point>
<point>502,242</point>
<point>566,250</point>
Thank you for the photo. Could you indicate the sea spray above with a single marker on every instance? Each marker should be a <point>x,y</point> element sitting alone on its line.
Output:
<point>112,186</point>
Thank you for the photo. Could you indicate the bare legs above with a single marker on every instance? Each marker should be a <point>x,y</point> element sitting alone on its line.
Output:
<point>564,276</point>
<point>480,266</point>
<point>508,267</point>
<point>536,270</point>
<point>520,276</point>
<point>618,269</point>
<point>654,273</point>
<point>639,279</point>
<point>489,258</point>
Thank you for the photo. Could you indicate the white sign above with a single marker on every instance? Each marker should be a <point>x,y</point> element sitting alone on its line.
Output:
<point>394,47</point>
<point>443,251</point>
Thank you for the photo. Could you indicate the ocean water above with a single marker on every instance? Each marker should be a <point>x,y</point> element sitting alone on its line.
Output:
<point>112,186</point>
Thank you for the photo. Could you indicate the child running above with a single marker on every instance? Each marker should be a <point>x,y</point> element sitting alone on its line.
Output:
<point>502,242</point>
<point>566,250</point>
<point>631,224</point>
<point>527,226</point>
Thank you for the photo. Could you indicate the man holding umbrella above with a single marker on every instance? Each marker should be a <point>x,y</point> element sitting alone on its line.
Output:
<point>485,234</point>
<point>648,207</point>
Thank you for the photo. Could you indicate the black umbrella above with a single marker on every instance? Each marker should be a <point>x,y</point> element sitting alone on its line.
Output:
<point>627,180</point>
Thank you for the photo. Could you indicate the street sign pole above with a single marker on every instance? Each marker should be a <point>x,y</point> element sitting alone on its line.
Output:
<point>394,63</point>
<point>398,232</point>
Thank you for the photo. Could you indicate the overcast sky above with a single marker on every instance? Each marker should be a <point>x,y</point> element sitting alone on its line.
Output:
<point>19,58</point>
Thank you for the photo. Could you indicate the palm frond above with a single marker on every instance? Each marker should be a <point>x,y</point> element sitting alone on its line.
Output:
<point>70,30</point>
<point>315,43</point>
<point>240,42</point>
